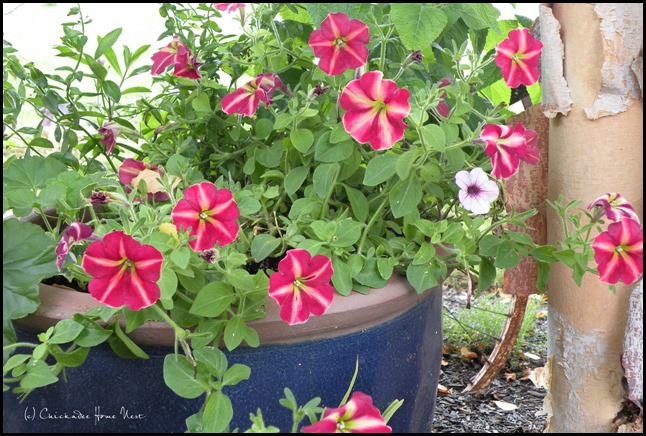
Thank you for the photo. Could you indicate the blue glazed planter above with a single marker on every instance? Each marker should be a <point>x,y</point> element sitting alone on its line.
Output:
<point>399,349</point>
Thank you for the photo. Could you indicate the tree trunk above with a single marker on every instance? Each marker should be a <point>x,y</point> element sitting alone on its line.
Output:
<point>592,94</point>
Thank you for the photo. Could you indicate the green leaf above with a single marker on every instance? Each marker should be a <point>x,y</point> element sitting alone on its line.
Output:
<point>213,299</point>
<point>543,276</point>
<point>421,277</point>
<point>31,173</point>
<point>325,151</point>
<point>65,330</point>
<point>241,280</point>
<point>379,169</point>
<point>129,343</point>
<point>107,42</point>
<point>168,286</point>
<point>201,104</point>
<point>112,59</point>
<point>69,359</point>
<point>434,137</point>
<point>218,413</point>
<point>213,359</point>
<point>234,332</point>
<point>302,139</point>
<point>425,254</point>
<point>263,245</point>
<point>319,11</point>
<point>38,375</point>
<point>479,15</point>
<point>339,134</point>
<point>181,257</point>
<point>179,377</point>
<point>348,232</point>
<point>370,276</point>
<point>112,90</point>
<point>385,268</point>
<point>487,274</point>
<point>263,128</point>
<point>418,25</point>
<point>236,374</point>
<point>405,163</point>
<point>405,196</point>
<point>41,142</point>
<point>544,253</point>
<point>27,258</point>
<point>92,334</point>
<point>295,178</point>
<point>342,277</point>
<point>567,256</point>
<point>358,203</point>
<point>324,178</point>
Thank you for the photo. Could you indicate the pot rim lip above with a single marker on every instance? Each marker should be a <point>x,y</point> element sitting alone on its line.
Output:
<point>345,315</point>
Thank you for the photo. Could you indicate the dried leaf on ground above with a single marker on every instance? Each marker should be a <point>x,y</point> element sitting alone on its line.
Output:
<point>466,354</point>
<point>505,406</point>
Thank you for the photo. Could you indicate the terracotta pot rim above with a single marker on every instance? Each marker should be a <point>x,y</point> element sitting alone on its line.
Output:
<point>346,315</point>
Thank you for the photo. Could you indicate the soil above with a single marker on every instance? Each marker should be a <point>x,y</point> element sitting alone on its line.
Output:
<point>458,412</point>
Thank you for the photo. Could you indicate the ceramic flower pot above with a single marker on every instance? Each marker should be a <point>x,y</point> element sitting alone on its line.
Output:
<point>395,333</point>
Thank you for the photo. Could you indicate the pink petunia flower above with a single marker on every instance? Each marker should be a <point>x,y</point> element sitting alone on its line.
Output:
<point>174,53</point>
<point>614,206</point>
<point>442,107</point>
<point>211,214</point>
<point>188,67</point>
<point>375,110</point>
<point>123,271</point>
<point>533,154</point>
<point>301,286</point>
<point>477,192</point>
<point>228,7</point>
<point>506,146</point>
<point>358,415</point>
<point>340,43</point>
<point>245,99</point>
<point>76,232</point>
<point>132,171</point>
<point>517,57</point>
<point>110,132</point>
<point>619,252</point>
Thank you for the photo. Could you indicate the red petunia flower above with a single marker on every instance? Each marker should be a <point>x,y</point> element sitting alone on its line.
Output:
<point>358,415</point>
<point>245,99</point>
<point>301,286</point>
<point>614,206</point>
<point>506,146</point>
<point>619,252</point>
<point>442,107</point>
<point>518,58</point>
<point>123,271</point>
<point>340,43</point>
<point>173,53</point>
<point>132,171</point>
<point>211,213</point>
<point>188,67</point>
<point>228,7</point>
<point>375,110</point>
<point>76,232</point>
<point>110,132</point>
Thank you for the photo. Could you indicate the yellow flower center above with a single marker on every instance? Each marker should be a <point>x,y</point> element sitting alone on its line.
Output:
<point>339,42</point>
<point>203,215</point>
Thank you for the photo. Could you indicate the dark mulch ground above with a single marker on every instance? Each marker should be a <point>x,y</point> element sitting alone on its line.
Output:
<point>478,413</point>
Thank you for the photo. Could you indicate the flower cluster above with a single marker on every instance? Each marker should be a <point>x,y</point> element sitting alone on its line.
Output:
<point>378,150</point>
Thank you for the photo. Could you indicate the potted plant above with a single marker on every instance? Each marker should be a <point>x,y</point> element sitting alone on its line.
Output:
<point>318,174</point>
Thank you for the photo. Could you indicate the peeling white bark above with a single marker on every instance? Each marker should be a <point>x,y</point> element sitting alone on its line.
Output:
<point>582,361</point>
<point>622,33</point>
<point>638,69</point>
<point>632,358</point>
<point>556,94</point>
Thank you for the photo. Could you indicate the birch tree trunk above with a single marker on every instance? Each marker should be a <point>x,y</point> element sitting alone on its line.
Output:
<point>591,78</point>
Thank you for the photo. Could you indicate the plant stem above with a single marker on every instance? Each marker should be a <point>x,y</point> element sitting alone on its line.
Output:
<point>374,217</point>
